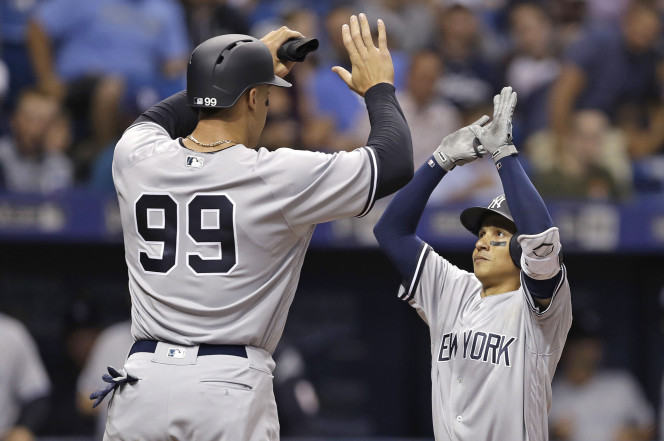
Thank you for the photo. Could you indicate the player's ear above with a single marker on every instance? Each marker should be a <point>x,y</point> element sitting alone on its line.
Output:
<point>252,97</point>
<point>515,250</point>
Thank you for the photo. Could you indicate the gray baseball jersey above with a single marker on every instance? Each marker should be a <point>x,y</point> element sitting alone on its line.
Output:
<point>22,374</point>
<point>493,357</point>
<point>214,242</point>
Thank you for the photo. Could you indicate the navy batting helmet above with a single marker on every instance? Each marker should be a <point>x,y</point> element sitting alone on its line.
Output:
<point>472,218</point>
<point>222,68</point>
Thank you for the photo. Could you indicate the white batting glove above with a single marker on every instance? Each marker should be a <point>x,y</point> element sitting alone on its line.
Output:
<point>460,147</point>
<point>496,137</point>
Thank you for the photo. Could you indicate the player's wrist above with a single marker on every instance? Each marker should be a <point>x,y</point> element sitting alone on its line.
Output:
<point>444,161</point>
<point>379,88</point>
<point>504,151</point>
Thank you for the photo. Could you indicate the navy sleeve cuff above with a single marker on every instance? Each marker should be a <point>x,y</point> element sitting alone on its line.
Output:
<point>389,138</point>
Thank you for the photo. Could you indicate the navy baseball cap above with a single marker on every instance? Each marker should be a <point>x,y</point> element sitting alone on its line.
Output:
<point>472,218</point>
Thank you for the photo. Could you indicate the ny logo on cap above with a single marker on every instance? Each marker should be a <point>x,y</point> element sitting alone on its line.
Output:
<point>497,202</point>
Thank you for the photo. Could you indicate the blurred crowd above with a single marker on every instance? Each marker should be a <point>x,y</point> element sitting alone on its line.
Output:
<point>589,125</point>
<point>589,76</point>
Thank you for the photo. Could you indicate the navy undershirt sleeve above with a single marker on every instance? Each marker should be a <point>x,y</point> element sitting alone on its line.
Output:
<point>530,216</point>
<point>173,114</point>
<point>389,138</point>
<point>395,231</point>
<point>542,289</point>
<point>527,207</point>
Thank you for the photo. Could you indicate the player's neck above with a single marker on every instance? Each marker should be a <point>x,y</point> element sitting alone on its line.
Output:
<point>507,285</point>
<point>213,130</point>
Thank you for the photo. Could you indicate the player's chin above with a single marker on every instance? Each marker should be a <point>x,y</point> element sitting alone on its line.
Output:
<point>479,267</point>
<point>483,267</point>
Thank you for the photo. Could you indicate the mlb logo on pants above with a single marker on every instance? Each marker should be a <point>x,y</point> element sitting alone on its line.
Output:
<point>176,352</point>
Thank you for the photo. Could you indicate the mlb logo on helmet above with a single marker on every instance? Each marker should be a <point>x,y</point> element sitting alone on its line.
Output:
<point>176,352</point>
<point>198,101</point>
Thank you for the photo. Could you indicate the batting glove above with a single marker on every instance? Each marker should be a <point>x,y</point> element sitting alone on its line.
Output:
<point>496,137</point>
<point>114,378</point>
<point>460,147</point>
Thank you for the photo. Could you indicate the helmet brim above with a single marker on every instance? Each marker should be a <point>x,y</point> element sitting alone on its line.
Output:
<point>279,82</point>
<point>472,218</point>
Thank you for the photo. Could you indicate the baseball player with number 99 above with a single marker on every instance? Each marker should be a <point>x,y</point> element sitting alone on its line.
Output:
<point>497,333</point>
<point>215,233</point>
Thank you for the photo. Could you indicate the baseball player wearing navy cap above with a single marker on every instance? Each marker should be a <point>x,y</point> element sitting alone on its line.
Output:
<point>215,233</point>
<point>496,333</point>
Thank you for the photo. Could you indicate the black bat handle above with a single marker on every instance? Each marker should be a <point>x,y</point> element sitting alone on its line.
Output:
<point>297,49</point>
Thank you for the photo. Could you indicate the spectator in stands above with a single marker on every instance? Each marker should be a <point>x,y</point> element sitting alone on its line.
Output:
<point>33,155</point>
<point>209,18</point>
<point>109,349</point>
<point>24,383</point>
<point>593,403</point>
<point>615,70</point>
<point>104,56</point>
<point>330,99</point>
<point>14,16</point>
<point>601,10</point>
<point>282,127</point>
<point>569,19</point>
<point>411,23</point>
<point>470,78</point>
<point>315,129</point>
<point>594,163</point>
<point>292,114</point>
<point>4,88</point>
<point>532,66</point>
<point>295,393</point>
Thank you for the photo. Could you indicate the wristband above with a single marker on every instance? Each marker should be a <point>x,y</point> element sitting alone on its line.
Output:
<point>503,151</point>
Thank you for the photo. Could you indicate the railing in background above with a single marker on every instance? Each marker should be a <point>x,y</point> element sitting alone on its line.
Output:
<point>82,216</point>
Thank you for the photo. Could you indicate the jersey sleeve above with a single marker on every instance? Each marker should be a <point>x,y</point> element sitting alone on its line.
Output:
<point>316,187</point>
<point>434,280</point>
<point>549,327</point>
<point>138,142</point>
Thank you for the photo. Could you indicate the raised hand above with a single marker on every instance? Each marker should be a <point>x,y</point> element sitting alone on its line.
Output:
<point>460,147</point>
<point>370,64</point>
<point>496,137</point>
<point>273,40</point>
